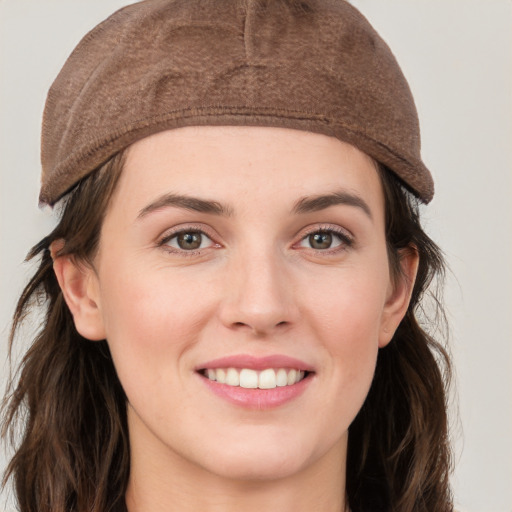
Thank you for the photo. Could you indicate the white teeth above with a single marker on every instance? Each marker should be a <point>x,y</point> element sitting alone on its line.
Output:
<point>232,377</point>
<point>281,377</point>
<point>220,376</point>
<point>248,379</point>
<point>269,378</point>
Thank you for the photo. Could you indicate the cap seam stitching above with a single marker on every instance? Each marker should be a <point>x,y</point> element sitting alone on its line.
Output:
<point>232,110</point>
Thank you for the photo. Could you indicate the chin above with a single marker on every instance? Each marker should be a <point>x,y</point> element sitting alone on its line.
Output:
<point>263,460</point>
<point>259,468</point>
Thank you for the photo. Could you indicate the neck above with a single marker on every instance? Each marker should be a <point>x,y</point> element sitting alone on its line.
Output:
<point>161,480</point>
<point>301,493</point>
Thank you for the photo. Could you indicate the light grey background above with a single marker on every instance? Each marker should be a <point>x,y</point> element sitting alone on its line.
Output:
<point>457,56</point>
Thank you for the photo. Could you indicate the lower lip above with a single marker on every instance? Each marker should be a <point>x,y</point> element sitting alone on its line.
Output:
<point>258,398</point>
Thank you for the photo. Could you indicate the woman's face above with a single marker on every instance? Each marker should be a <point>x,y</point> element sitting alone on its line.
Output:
<point>255,255</point>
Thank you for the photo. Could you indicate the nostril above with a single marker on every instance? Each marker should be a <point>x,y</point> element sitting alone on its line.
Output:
<point>243,324</point>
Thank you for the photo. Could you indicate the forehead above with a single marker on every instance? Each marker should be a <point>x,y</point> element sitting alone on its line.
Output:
<point>244,164</point>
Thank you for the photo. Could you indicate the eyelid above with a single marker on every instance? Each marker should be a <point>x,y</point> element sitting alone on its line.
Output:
<point>347,238</point>
<point>169,234</point>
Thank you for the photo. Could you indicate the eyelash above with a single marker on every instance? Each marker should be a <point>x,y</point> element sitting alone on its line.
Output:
<point>183,252</point>
<point>346,240</point>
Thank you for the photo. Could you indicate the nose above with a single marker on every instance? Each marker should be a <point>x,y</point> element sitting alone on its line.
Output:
<point>259,295</point>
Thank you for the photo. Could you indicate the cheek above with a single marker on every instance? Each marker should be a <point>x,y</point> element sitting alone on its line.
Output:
<point>151,320</point>
<point>349,310</point>
<point>347,318</point>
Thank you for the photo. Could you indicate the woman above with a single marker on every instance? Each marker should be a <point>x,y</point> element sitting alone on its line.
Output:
<point>233,288</point>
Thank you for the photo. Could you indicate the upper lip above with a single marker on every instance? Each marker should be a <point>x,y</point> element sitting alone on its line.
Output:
<point>256,363</point>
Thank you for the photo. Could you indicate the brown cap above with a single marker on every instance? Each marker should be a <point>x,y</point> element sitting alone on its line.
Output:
<point>314,65</point>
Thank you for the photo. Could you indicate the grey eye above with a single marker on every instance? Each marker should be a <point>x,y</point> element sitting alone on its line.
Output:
<point>188,241</point>
<point>325,239</point>
<point>321,240</point>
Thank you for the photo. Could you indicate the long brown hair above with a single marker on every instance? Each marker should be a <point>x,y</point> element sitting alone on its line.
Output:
<point>399,456</point>
<point>74,452</point>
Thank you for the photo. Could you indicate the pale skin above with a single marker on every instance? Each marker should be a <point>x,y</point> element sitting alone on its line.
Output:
<point>275,271</point>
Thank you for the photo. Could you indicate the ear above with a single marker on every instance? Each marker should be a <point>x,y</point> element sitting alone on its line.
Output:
<point>399,295</point>
<point>80,288</point>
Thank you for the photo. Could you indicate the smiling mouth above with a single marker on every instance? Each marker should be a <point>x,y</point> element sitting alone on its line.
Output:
<point>268,378</point>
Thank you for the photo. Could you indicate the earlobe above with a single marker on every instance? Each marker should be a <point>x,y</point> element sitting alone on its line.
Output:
<point>399,295</point>
<point>79,285</point>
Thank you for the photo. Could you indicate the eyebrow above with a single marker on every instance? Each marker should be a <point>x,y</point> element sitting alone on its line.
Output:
<point>304,205</point>
<point>186,202</point>
<point>310,204</point>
